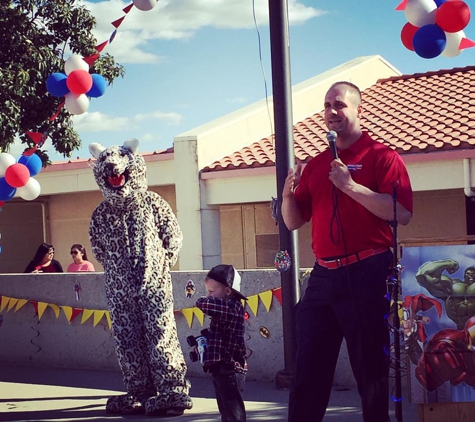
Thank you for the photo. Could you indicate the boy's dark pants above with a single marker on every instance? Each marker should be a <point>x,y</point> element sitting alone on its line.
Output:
<point>230,403</point>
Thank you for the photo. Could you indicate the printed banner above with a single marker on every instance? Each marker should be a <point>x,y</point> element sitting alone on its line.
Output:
<point>438,322</point>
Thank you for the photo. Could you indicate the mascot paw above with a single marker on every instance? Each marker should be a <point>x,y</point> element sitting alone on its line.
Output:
<point>124,405</point>
<point>173,405</point>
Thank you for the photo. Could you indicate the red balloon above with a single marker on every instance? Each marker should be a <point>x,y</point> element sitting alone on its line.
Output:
<point>407,34</point>
<point>453,16</point>
<point>79,81</point>
<point>17,175</point>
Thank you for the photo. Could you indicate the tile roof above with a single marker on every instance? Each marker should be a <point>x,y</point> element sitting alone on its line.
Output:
<point>417,113</point>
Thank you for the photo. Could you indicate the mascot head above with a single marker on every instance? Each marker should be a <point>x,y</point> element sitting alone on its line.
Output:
<point>119,171</point>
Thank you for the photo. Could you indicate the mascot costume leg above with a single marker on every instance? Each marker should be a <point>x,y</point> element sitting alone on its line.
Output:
<point>135,236</point>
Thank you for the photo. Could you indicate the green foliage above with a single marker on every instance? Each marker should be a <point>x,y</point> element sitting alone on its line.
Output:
<point>35,36</point>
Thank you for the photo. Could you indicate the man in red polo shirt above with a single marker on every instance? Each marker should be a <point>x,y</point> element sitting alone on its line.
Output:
<point>350,202</point>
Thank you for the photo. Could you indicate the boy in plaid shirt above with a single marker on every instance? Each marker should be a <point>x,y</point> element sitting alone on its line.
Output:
<point>225,355</point>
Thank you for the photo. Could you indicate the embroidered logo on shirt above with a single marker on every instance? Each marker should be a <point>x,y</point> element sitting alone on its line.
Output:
<point>355,168</point>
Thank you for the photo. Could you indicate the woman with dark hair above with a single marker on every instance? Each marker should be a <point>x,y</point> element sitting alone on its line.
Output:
<point>43,261</point>
<point>79,255</point>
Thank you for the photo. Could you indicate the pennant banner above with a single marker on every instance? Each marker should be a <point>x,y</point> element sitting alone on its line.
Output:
<point>188,314</point>
<point>41,309</point>
<point>70,313</point>
<point>266,298</point>
<point>253,303</point>
<point>200,315</point>
<point>11,303</point>
<point>20,304</point>
<point>4,303</point>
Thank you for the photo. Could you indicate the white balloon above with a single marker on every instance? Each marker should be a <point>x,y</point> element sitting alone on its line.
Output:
<point>145,5</point>
<point>6,160</point>
<point>76,104</point>
<point>420,12</point>
<point>75,62</point>
<point>30,191</point>
<point>453,41</point>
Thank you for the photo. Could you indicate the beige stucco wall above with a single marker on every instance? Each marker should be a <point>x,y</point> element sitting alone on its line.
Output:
<point>66,221</point>
<point>439,217</point>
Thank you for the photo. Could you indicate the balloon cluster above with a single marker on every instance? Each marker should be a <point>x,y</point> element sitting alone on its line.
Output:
<point>16,178</point>
<point>76,85</point>
<point>434,27</point>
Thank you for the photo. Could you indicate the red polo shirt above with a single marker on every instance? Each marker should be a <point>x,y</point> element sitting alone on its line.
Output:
<point>371,164</point>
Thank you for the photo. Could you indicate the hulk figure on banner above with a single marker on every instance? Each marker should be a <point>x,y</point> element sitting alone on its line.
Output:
<point>458,295</point>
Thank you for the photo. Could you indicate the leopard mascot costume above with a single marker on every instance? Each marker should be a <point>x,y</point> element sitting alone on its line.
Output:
<point>135,236</point>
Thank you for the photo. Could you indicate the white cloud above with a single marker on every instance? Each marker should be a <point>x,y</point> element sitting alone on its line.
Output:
<point>147,137</point>
<point>237,100</point>
<point>100,122</point>
<point>169,118</point>
<point>179,19</point>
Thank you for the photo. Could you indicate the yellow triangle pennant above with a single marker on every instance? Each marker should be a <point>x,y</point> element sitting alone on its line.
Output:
<point>188,313</point>
<point>266,298</point>
<point>41,309</point>
<point>86,314</point>
<point>55,308</point>
<point>68,311</point>
<point>253,303</point>
<point>20,304</point>
<point>199,314</point>
<point>108,317</point>
<point>11,303</point>
<point>4,303</point>
<point>98,316</point>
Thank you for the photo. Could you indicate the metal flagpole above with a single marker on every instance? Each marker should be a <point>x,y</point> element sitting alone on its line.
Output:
<point>284,159</point>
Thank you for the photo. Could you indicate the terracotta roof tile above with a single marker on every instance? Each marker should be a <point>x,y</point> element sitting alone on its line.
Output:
<point>416,113</point>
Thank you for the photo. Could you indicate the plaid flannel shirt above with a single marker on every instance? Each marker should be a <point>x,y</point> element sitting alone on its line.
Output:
<point>226,332</point>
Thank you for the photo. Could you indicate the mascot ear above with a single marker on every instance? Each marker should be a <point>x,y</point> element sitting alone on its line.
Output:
<point>95,149</point>
<point>132,145</point>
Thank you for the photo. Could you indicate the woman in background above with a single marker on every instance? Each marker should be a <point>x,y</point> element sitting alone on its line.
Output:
<point>43,261</point>
<point>79,255</point>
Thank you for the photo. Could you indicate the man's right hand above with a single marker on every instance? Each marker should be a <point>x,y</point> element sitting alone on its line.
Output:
<point>292,180</point>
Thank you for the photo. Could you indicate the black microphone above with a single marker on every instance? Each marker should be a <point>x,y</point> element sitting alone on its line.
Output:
<point>331,137</point>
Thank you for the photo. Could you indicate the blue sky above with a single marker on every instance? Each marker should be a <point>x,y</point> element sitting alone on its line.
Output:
<point>189,62</point>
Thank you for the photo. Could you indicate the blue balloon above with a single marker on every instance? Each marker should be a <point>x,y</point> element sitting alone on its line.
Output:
<point>439,2</point>
<point>429,41</point>
<point>32,162</point>
<point>99,86</point>
<point>6,191</point>
<point>56,84</point>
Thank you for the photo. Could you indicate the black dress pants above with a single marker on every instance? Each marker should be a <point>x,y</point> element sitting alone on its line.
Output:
<point>349,302</point>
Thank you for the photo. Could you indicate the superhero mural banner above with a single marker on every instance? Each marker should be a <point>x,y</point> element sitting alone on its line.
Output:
<point>437,313</point>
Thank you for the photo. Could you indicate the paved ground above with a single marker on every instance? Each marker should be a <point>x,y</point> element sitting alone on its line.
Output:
<point>36,394</point>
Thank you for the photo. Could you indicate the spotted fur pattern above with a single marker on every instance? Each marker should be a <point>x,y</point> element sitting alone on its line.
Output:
<point>135,236</point>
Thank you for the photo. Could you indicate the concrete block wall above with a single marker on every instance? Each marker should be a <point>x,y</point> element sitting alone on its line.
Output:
<point>52,341</point>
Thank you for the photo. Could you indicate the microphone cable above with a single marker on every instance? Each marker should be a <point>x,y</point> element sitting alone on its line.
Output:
<point>336,222</point>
